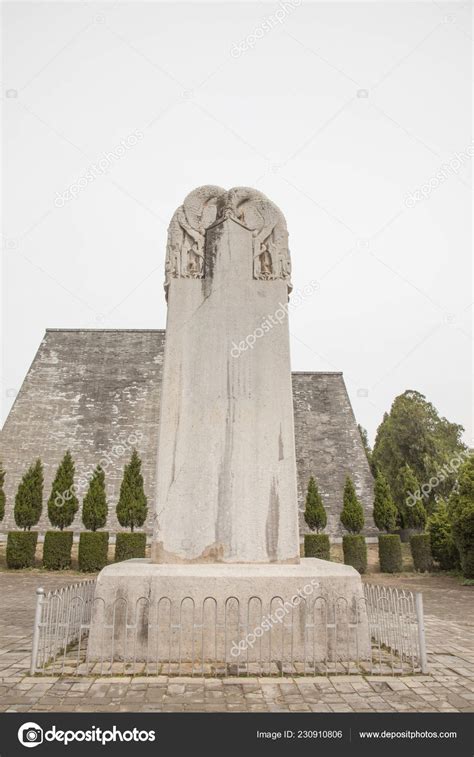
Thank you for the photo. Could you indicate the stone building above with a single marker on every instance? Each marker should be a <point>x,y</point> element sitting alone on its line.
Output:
<point>97,393</point>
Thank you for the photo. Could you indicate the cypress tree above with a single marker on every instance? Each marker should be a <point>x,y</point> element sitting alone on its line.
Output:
<point>352,515</point>
<point>63,503</point>
<point>385,509</point>
<point>314,514</point>
<point>94,506</point>
<point>29,497</point>
<point>132,505</point>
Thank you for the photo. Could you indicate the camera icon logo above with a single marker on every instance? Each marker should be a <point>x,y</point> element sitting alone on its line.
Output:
<point>30,734</point>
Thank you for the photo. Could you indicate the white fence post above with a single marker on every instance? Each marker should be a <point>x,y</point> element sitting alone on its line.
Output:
<point>36,629</point>
<point>421,631</point>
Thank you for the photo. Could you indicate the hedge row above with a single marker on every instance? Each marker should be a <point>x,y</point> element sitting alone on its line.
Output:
<point>21,548</point>
<point>93,550</point>
<point>390,553</point>
<point>130,546</point>
<point>317,545</point>
<point>355,551</point>
<point>57,550</point>
<point>57,547</point>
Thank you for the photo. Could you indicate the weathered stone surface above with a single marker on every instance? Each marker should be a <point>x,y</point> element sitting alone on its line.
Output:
<point>226,481</point>
<point>226,603</point>
<point>92,390</point>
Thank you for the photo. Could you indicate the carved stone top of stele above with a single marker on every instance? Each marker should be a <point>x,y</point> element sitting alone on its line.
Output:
<point>209,205</point>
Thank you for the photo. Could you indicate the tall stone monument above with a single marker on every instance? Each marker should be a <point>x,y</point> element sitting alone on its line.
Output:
<point>226,480</point>
<point>225,522</point>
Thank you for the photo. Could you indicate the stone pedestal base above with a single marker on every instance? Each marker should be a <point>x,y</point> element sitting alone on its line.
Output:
<point>229,613</point>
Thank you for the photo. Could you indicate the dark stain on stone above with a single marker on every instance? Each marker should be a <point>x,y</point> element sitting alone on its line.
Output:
<point>273,523</point>
<point>176,433</point>
<point>223,533</point>
<point>143,619</point>
<point>280,445</point>
<point>211,247</point>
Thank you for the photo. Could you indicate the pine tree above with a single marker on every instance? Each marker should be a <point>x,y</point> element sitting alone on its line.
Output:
<point>2,492</point>
<point>352,515</point>
<point>63,503</point>
<point>29,497</point>
<point>385,509</point>
<point>314,514</point>
<point>413,433</point>
<point>94,506</point>
<point>132,505</point>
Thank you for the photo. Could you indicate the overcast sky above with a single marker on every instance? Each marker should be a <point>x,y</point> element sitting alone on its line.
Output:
<point>355,118</point>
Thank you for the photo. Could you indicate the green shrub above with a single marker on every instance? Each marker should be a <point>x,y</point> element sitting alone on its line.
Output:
<point>129,546</point>
<point>57,550</point>
<point>443,548</point>
<point>2,492</point>
<point>463,530</point>
<point>385,509</point>
<point>314,514</point>
<point>93,550</point>
<point>132,505</point>
<point>421,552</point>
<point>352,515</point>
<point>416,516</point>
<point>62,502</point>
<point>390,553</point>
<point>94,506</point>
<point>317,545</point>
<point>21,549</point>
<point>355,551</point>
<point>29,497</point>
<point>461,512</point>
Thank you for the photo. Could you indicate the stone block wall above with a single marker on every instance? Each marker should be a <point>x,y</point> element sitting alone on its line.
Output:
<point>97,393</point>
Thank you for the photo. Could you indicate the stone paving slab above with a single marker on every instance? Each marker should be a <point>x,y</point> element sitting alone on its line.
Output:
<point>449,687</point>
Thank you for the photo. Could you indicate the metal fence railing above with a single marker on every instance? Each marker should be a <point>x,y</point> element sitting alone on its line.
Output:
<point>182,638</point>
<point>62,622</point>
<point>396,624</point>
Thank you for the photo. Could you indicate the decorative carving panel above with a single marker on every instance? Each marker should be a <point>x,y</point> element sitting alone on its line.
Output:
<point>207,206</point>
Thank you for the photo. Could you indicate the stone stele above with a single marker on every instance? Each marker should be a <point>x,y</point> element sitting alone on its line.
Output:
<point>225,521</point>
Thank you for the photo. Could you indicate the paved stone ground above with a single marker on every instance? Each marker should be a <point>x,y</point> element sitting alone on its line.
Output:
<point>449,616</point>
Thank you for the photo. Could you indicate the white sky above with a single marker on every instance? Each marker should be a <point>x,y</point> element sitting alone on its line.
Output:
<point>337,114</point>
